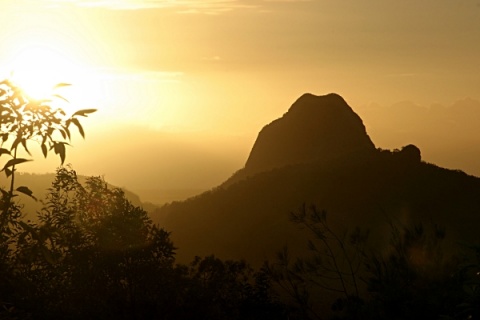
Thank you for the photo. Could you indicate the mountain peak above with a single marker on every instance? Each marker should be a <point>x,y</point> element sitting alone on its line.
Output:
<point>309,97</point>
<point>314,128</point>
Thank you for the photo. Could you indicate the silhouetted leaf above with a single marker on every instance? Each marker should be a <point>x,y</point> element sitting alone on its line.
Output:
<point>59,149</point>
<point>67,131</point>
<point>8,172</point>
<point>4,193</point>
<point>26,227</point>
<point>24,144</point>
<point>60,97</point>
<point>84,112</point>
<point>26,191</point>
<point>62,84</point>
<point>15,143</point>
<point>14,162</point>
<point>47,255</point>
<point>4,151</point>
<point>79,126</point>
<point>44,150</point>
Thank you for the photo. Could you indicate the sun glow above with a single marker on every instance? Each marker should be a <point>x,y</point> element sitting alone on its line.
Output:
<point>38,69</point>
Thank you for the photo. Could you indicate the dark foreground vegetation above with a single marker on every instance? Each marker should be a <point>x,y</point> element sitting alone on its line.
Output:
<point>421,276</point>
<point>89,253</point>
<point>94,255</point>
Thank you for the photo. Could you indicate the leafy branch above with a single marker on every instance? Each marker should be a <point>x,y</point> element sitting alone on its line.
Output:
<point>24,121</point>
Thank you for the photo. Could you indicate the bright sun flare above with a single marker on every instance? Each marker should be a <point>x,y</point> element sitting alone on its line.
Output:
<point>38,69</point>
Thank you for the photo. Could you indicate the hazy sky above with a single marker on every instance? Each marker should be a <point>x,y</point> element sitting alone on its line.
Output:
<point>214,72</point>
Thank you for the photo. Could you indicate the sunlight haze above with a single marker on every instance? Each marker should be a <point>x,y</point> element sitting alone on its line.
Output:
<point>182,88</point>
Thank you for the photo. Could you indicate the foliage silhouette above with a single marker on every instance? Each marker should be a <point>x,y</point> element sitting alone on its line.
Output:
<point>470,269</point>
<point>419,277</point>
<point>229,290</point>
<point>416,279</point>
<point>91,238</point>
<point>24,121</point>
<point>91,253</point>
<point>94,255</point>
<point>331,269</point>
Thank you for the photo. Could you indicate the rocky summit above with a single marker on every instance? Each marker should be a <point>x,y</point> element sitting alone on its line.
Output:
<point>314,128</point>
<point>318,153</point>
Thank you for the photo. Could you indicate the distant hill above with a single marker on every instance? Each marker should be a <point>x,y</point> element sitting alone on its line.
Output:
<point>39,184</point>
<point>319,153</point>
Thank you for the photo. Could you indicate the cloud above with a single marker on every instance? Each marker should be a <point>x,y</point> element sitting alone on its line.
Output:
<point>181,6</point>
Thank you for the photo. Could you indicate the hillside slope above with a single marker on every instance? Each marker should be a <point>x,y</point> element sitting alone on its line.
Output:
<point>358,185</point>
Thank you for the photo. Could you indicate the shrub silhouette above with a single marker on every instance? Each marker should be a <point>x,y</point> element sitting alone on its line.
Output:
<point>94,255</point>
<point>91,254</point>
<point>330,276</point>
<point>417,278</point>
<point>24,121</point>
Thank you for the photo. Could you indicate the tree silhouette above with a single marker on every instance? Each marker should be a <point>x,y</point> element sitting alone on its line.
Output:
<point>419,276</point>
<point>24,121</point>
<point>91,254</point>
<point>416,279</point>
<point>94,255</point>
<point>332,269</point>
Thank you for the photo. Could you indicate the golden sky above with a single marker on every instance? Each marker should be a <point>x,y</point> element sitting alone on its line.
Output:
<point>221,69</point>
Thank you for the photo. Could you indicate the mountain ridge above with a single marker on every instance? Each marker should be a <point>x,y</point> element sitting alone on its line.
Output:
<point>314,127</point>
<point>247,216</point>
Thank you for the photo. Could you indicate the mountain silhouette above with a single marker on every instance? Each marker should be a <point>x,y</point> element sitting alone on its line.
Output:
<point>314,128</point>
<point>319,153</point>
